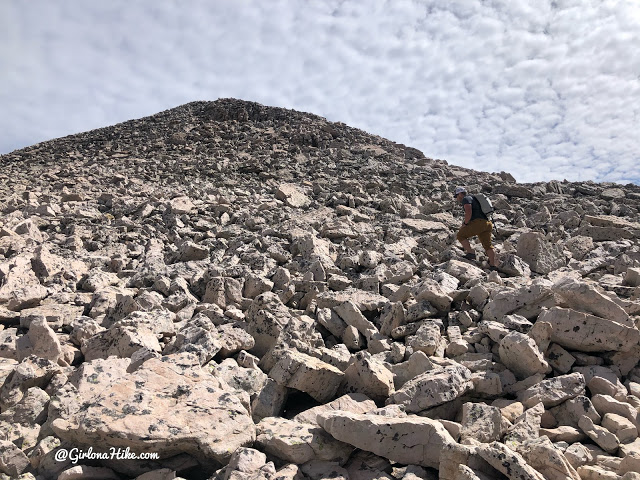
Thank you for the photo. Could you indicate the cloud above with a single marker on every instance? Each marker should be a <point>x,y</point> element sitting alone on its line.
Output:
<point>544,90</point>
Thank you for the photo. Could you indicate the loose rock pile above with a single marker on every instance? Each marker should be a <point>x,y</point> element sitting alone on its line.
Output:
<point>257,293</point>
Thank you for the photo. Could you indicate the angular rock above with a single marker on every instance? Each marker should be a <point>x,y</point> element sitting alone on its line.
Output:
<point>190,251</point>
<point>41,341</point>
<point>632,277</point>
<point>57,315</point>
<point>307,374</point>
<point>563,434</point>
<point>270,401</point>
<point>521,355</point>
<point>423,226</point>
<point>292,196</point>
<point>527,301</point>
<point>540,254</point>
<point>548,460</point>
<point>245,460</point>
<point>249,380</point>
<point>393,316</point>
<point>352,316</point>
<point>583,297</point>
<point>409,440</point>
<point>553,391</point>
<point>559,359</point>
<point>20,288</point>
<point>600,435</point>
<point>351,402</point>
<point>621,427</point>
<point>508,462</point>
<point>299,442</point>
<point>362,299</point>
<point>433,388</point>
<point>455,455</point>
<point>121,341</point>
<point>367,376</point>
<point>514,266</point>
<point>165,406</point>
<point>434,293</point>
<point>181,205</point>
<point>427,339</point>
<point>266,319</point>
<point>481,423</point>
<point>588,333</point>
<point>30,372</point>
<point>12,460</point>
<point>570,412</point>
<point>417,364</point>
<point>463,271</point>
<point>233,338</point>
<point>607,404</point>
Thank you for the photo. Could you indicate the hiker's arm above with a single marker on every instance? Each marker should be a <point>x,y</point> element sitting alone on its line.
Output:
<point>467,213</point>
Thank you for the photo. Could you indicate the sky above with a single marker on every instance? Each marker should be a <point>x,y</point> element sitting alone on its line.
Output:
<point>544,90</point>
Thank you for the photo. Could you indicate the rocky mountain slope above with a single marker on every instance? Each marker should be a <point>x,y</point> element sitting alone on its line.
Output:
<point>231,291</point>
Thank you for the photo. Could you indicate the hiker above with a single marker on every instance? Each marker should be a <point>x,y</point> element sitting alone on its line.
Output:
<point>475,223</point>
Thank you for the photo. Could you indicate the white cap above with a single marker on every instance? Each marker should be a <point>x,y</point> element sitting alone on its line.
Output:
<point>460,190</point>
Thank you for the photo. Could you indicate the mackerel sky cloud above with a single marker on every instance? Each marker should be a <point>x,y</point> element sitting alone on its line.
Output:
<point>542,89</point>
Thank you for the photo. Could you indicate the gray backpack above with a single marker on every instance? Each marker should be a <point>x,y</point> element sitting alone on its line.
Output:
<point>485,204</point>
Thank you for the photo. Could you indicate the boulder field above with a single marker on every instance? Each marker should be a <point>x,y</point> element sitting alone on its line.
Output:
<point>229,291</point>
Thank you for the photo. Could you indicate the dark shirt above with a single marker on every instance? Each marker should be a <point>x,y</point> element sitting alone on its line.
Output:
<point>476,211</point>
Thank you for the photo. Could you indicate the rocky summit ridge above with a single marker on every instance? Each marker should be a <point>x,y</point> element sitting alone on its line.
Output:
<point>247,293</point>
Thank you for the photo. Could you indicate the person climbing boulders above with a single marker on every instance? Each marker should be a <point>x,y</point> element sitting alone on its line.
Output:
<point>475,223</point>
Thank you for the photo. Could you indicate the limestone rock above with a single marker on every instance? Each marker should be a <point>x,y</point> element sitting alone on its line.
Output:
<point>362,299</point>
<point>30,372</point>
<point>548,460</point>
<point>570,412</point>
<point>514,266</point>
<point>351,402</point>
<point>181,205</point>
<point>427,339</point>
<point>299,442</point>
<point>434,293</point>
<point>350,313</point>
<point>600,435</point>
<point>245,460</point>
<point>553,391</point>
<point>266,319</point>
<point>307,374</point>
<point>20,287</point>
<point>40,340</point>
<point>586,298</point>
<point>433,388</point>
<point>140,410</point>
<point>588,333</point>
<point>12,460</point>
<point>179,260</point>
<point>541,255</point>
<point>463,271</point>
<point>121,341</point>
<point>527,301</point>
<point>369,377</point>
<point>481,423</point>
<point>292,196</point>
<point>410,440</point>
<point>508,462</point>
<point>521,355</point>
<point>526,427</point>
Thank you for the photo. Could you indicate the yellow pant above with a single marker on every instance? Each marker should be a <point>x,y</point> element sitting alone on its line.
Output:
<point>481,228</point>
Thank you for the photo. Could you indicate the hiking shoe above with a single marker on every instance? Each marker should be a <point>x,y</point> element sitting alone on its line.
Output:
<point>470,256</point>
<point>493,269</point>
